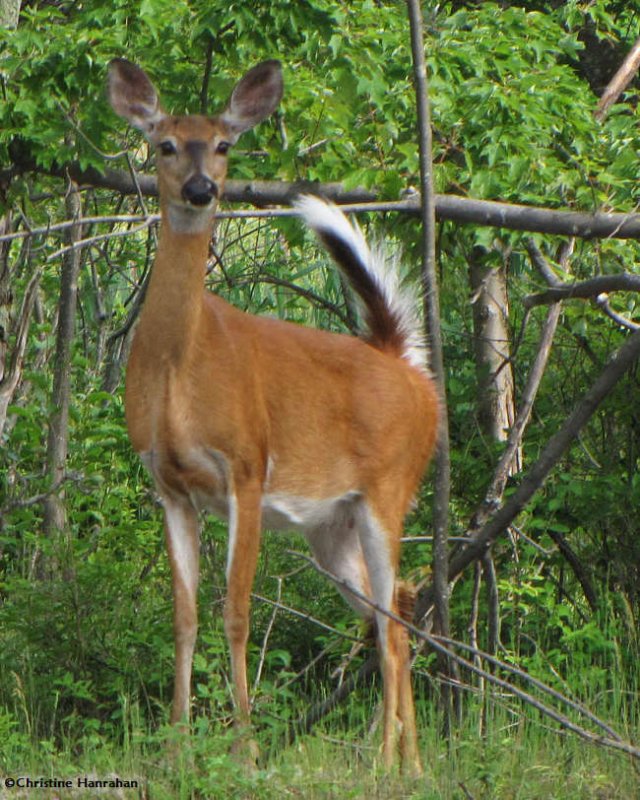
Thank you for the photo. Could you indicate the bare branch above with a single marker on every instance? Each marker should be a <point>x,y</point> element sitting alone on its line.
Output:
<point>307,617</point>
<point>458,209</point>
<point>541,264</point>
<point>592,287</point>
<point>589,288</point>
<point>58,433</point>
<point>445,645</point>
<point>619,82</point>
<point>602,301</point>
<point>267,634</point>
<point>498,483</point>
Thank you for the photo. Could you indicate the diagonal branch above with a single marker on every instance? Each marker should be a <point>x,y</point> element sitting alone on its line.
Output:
<point>619,82</point>
<point>494,493</point>
<point>621,361</point>
<point>444,645</point>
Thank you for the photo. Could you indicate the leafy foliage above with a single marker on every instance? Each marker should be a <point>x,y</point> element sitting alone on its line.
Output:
<point>85,620</point>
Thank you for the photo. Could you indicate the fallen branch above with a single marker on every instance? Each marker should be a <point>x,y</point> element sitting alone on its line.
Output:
<point>445,646</point>
<point>458,209</point>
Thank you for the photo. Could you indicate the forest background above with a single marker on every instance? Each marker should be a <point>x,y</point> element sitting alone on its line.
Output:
<point>538,472</point>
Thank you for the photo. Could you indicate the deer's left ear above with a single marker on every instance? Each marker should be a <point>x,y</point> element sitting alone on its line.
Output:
<point>133,96</point>
<point>255,97</point>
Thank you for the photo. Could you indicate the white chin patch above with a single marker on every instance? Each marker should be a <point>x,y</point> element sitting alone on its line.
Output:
<point>186,218</point>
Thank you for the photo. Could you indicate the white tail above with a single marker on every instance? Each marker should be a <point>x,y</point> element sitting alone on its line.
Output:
<point>267,423</point>
<point>391,313</point>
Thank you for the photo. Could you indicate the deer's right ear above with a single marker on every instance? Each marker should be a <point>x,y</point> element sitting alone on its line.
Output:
<point>133,96</point>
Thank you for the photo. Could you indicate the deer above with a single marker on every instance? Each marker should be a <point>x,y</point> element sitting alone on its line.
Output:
<point>267,423</point>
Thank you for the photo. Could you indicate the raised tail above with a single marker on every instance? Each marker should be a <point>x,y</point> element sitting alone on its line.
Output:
<point>390,313</point>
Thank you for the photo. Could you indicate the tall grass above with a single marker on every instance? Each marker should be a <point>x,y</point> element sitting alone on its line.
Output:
<point>500,750</point>
<point>87,668</point>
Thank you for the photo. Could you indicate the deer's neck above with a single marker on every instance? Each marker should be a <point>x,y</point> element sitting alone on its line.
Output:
<point>173,306</point>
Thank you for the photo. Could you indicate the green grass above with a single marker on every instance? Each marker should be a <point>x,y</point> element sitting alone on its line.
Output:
<point>519,758</point>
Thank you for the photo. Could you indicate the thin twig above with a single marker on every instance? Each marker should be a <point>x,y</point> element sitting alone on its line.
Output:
<point>267,634</point>
<point>92,240</point>
<point>47,230</point>
<point>602,301</point>
<point>307,617</point>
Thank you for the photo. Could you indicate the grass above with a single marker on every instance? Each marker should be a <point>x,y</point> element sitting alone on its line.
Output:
<point>519,758</point>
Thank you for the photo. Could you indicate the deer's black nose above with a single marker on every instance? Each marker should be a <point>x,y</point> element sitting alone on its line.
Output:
<point>199,190</point>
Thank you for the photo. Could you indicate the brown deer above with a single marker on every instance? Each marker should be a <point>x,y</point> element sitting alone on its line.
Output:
<point>266,423</point>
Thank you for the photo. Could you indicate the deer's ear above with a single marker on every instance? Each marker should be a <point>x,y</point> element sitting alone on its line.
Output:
<point>255,97</point>
<point>133,96</point>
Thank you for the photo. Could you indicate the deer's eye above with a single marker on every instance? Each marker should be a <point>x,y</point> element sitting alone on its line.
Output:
<point>223,148</point>
<point>167,148</point>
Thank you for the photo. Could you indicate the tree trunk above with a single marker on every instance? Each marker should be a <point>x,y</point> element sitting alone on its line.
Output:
<point>54,508</point>
<point>496,390</point>
<point>10,376</point>
<point>5,293</point>
<point>9,13</point>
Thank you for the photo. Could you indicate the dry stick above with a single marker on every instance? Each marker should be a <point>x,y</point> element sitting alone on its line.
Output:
<point>267,634</point>
<point>58,433</point>
<point>442,477</point>
<point>472,631</point>
<point>543,687</point>
<point>84,221</point>
<point>493,602</point>
<point>277,605</point>
<point>619,82</point>
<point>444,644</point>
<point>448,207</point>
<point>100,237</point>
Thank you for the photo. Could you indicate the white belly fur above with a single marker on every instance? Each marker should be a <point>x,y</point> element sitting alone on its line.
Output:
<point>331,525</point>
